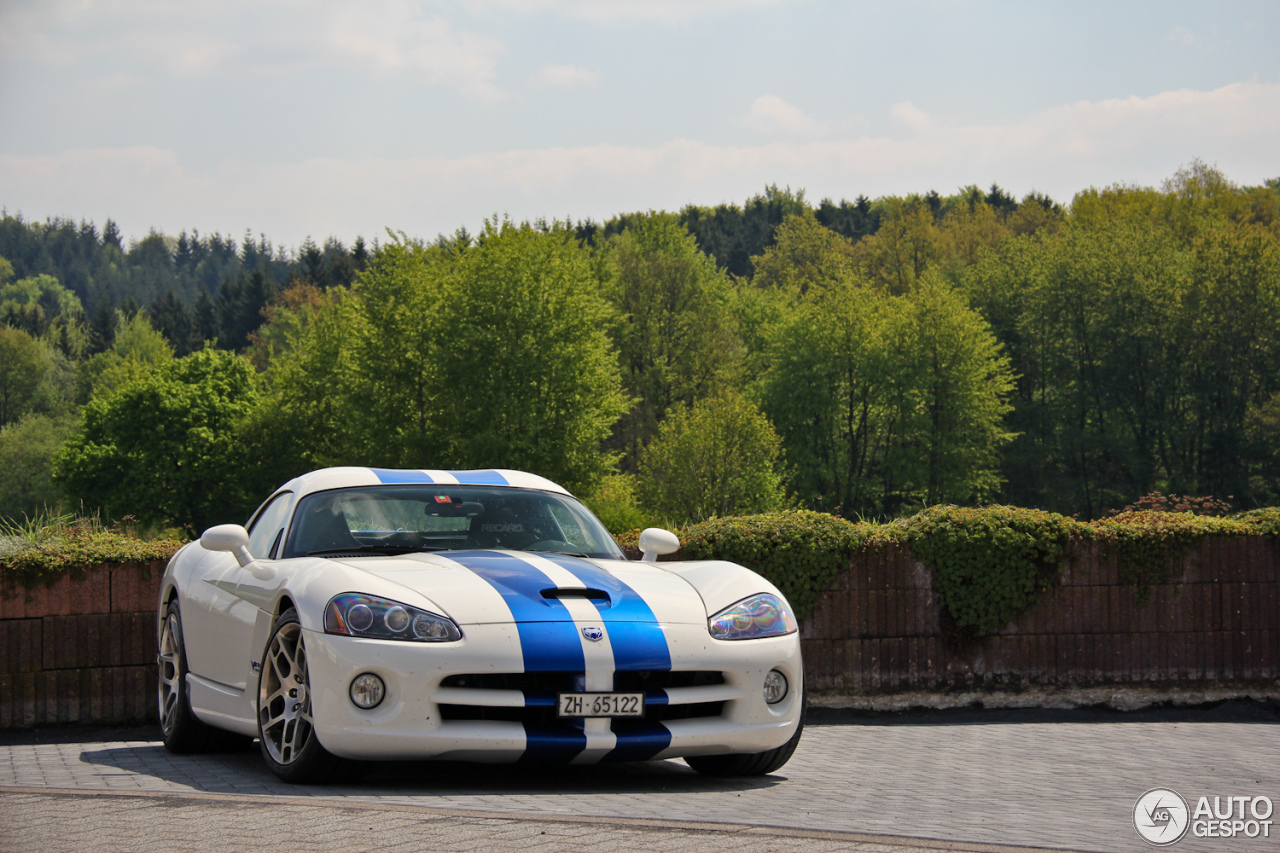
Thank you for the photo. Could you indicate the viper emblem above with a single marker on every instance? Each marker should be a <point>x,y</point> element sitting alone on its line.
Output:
<point>595,635</point>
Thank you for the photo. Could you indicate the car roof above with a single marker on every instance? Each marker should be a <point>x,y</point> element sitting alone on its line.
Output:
<point>341,478</point>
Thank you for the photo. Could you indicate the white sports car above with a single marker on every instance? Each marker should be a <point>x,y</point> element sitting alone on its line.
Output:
<point>468,615</point>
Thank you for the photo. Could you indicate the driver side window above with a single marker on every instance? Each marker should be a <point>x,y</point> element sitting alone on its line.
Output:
<point>265,530</point>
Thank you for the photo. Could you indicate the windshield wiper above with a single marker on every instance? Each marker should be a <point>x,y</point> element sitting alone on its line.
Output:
<point>565,553</point>
<point>384,550</point>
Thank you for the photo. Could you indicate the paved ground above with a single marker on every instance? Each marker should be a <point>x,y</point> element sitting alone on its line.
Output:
<point>1064,780</point>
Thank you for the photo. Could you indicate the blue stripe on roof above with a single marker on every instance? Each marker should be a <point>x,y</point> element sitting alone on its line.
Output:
<point>480,478</point>
<point>548,636</point>
<point>389,475</point>
<point>634,633</point>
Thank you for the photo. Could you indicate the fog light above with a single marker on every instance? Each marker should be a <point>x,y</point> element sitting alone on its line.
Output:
<point>775,687</point>
<point>367,690</point>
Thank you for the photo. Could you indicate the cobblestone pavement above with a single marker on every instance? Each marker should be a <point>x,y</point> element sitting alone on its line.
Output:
<point>1042,784</point>
<point>137,823</point>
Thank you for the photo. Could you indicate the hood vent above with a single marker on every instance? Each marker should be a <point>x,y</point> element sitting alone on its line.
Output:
<point>597,596</point>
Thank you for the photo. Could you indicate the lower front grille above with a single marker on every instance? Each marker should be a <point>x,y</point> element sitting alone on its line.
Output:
<point>540,690</point>
<point>564,682</point>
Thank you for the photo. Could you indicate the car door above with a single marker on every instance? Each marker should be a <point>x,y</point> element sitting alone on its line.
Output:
<point>227,598</point>
<point>266,534</point>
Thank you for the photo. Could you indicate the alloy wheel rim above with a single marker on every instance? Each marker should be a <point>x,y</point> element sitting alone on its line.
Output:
<point>169,683</point>
<point>284,697</point>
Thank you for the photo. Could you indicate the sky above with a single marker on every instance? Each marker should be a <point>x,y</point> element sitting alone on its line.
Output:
<point>335,119</point>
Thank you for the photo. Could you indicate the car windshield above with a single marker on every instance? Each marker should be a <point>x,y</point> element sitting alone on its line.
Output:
<point>397,519</point>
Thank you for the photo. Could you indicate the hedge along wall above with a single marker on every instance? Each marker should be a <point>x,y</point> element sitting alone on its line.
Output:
<point>878,629</point>
<point>81,650</point>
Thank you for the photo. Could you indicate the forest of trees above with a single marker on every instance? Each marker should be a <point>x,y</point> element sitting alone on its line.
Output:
<point>865,358</point>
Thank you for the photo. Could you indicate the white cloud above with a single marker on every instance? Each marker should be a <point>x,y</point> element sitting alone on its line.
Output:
<point>392,36</point>
<point>384,37</point>
<point>669,11</point>
<point>771,114</point>
<point>1059,151</point>
<point>564,77</point>
<point>1181,35</point>
<point>908,115</point>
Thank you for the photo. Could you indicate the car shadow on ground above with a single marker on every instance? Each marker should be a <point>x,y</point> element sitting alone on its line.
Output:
<point>243,771</point>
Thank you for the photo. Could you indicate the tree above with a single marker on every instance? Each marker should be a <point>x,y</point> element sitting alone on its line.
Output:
<point>545,390</point>
<point>719,458</point>
<point>675,339</point>
<point>27,448</point>
<point>886,402</point>
<point>285,318</point>
<point>804,255</point>
<point>451,357</point>
<point>173,319</point>
<point>907,243</point>
<point>24,365</point>
<point>136,349</point>
<point>164,447</point>
<point>1232,350</point>
<point>952,393</point>
<point>826,392</point>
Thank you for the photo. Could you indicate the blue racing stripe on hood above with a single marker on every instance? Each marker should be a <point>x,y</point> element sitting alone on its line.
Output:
<point>388,475</point>
<point>548,637</point>
<point>479,478</point>
<point>637,639</point>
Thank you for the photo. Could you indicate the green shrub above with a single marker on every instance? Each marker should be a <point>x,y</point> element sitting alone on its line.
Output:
<point>614,503</point>
<point>989,564</point>
<point>44,549</point>
<point>1149,546</point>
<point>800,552</point>
<point>1263,522</point>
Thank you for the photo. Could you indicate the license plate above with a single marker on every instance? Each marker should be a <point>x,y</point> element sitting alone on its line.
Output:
<point>601,705</point>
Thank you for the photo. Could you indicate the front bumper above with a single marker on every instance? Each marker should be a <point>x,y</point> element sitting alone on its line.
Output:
<point>418,718</point>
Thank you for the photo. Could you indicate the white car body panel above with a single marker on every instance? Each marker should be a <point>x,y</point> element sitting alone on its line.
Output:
<point>654,625</point>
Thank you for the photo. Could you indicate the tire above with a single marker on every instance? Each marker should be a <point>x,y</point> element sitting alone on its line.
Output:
<point>750,764</point>
<point>285,731</point>
<point>182,731</point>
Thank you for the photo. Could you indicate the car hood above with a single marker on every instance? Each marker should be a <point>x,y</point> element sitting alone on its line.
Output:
<point>477,587</point>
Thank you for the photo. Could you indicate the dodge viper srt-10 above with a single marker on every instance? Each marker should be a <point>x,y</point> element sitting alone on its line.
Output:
<point>373,614</point>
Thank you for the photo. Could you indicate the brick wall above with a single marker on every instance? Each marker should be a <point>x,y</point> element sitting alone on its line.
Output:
<point>81,651</point>
<point>877,629</point>
<point>84,651</point>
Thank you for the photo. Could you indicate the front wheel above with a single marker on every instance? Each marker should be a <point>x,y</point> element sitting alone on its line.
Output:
<point>285,728</point>
<point>751,764</point>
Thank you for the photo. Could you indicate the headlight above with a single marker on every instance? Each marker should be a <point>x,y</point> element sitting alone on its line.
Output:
<point>762,615</point>
<point>356,615</point>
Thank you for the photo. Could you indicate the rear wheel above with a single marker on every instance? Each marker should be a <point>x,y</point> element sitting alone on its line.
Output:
<point>285,727</point>
<point>182,730</point>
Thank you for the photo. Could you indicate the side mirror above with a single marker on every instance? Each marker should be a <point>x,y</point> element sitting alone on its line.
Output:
<point>655,541</point>
<point>235,539</point>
